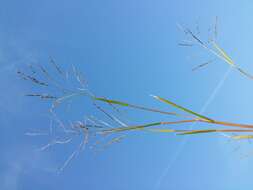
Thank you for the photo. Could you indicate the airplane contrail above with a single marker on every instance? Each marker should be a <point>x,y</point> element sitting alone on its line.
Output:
<point>185,138</point>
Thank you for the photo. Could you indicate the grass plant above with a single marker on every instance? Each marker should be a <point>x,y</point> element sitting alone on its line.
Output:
<point>93,128</point>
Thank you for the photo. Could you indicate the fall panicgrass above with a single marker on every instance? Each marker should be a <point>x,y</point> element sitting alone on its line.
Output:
<point>96,129</point>
<point>95,132</point>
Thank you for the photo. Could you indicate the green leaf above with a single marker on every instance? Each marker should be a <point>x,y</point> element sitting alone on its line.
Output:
<point>138,127</point>
<point>183,109</point>
<point>134,106</point>
<point>198,131</point>
<point>112,101</point>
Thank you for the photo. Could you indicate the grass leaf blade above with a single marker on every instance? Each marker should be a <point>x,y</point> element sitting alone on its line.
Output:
<point>183,109</point>
<point>198,131</point>
<point>112,101</point>
<point>138,127</point>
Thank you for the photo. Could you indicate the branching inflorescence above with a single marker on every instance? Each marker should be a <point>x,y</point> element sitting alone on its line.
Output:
<point>91,129</point>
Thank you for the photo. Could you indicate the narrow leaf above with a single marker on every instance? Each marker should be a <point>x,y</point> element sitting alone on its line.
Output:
<point>198,131</point>
<point>134,106</point>
<point>112,101</point>
<point>183,109</point>
<point>120,129</point>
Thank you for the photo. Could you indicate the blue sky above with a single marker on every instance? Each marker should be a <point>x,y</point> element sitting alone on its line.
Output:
<point>127,50</point>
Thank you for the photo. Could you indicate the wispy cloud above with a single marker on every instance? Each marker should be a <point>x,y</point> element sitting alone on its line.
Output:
<point>21,161</point>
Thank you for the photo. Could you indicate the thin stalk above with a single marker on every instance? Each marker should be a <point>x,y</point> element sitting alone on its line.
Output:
<point>217,130</point>
<point>141,127</point>
<point>203,131</point>
<point>248,126</point>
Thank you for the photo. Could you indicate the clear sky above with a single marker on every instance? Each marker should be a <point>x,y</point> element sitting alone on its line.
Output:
<point>127,50</point>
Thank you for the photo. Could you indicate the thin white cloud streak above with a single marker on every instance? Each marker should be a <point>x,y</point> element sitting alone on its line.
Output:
<point>20,160</point>
<point>186,138</point>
